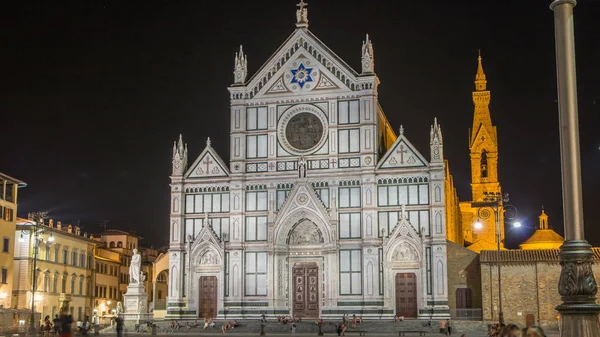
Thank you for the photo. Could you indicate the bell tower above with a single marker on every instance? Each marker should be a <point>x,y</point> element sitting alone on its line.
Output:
<point>483,143</point>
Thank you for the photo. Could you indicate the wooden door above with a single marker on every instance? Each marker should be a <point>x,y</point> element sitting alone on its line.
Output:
<point>208,297</point>
<point>406,294</point>
<point>306,290</point>
<point>529,320</point>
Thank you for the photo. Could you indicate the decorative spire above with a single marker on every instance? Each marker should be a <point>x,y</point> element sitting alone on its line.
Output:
<point>480,81</point>
<point>180,155</point>
<point>208,142</point>
<point>302,15</point>
<point>543,219</point>
<point>368,60</point>
<point>401,131</point>
<point>240,70</point>
<point>435,135</point>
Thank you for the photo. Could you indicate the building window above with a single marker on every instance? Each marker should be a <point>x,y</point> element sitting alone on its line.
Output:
<point>73,285</point>
<point>256,228</point>
<point>47,253</point>
<point>256,118</point>
<point>349,197</point>
<point>428,274</point>
<point>256,201</point>
<point>82,261</point>
<point>350,227</point>
<point>396,195</point>
<point>348,112</point>
<point>56,254</point>
<point>256,146</point>
<point>64,284</point>
<point>6,245</point>
<point>74,258</point>
<point>55,283</point>
<point>388,220</point>
<point>282,194</point>
<point>8,214</point>
<point>350,272</point>
<point>81,285</point>
<point>111,244</point>
<point>323,194</point>
<point>65,256</point>
<point>226,269</point>
<point>4,279</point>
<point>46,282</point>
<point>256,274</point>
<point>207,203</point>
<point>349,141</point>
<point>380,263</point>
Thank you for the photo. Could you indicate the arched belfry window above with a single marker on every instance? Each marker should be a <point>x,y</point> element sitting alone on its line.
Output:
<point>484,164</point>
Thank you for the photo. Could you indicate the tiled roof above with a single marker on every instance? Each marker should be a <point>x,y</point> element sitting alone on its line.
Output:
<point>534,255</point>
<point>544,236</point>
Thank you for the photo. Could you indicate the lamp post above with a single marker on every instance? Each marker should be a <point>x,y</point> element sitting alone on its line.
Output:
<point>38,219</point>
<point>495,201</point>
<point>577,285</point>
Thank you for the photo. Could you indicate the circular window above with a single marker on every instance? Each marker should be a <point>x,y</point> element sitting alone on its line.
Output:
<point>302,129</point>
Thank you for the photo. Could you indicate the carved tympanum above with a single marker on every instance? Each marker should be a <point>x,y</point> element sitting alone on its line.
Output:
<point>306,233</point>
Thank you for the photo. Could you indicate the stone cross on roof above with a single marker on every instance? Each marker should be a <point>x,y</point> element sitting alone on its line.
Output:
<point>302,15</point>
<point>302,4</point>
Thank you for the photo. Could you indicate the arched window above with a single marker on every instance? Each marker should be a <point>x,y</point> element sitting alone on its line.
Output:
<point>64,284</point>
<point>73,284</point>
<point>120,244</point>
<point>55,283</point>
<point>81,285</point>
<point>484,166</point>
<point>112,244</point>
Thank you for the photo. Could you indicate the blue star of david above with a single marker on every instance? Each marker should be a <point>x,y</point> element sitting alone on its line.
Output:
<point>301,75</point>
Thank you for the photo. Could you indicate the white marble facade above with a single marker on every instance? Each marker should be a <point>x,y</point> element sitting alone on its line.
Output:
<point>322,209</point>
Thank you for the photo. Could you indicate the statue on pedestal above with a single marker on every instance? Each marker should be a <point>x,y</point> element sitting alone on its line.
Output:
<point>134,267</point>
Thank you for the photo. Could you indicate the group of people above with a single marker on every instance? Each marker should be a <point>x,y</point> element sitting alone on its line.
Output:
<point>60,325</point>
<point>288,319</point>
<point>512,330</point>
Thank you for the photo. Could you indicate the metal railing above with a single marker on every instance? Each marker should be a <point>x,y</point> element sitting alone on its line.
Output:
<point>160,304</point>
<point>466,314</point>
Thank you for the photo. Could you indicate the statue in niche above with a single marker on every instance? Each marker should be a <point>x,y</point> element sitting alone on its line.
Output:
<point>306,233</point>
<point>484,170</point>
<point>302,167</point>
<point>209,257</point>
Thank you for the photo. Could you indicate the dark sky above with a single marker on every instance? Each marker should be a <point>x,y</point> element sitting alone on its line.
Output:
<point>94,93</point>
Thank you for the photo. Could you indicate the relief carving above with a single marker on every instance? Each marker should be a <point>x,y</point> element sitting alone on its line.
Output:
<point>306,233</point>
<point>405,252</point>
<point>209,257</point>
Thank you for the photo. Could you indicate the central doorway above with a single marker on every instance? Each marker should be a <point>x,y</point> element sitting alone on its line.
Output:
<point>208,297</point>
<point>406,294</point>
<point>306,290</point>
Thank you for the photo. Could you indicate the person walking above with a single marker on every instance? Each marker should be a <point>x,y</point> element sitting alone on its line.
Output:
<point>293,329</point>
<point>119,326</point>
<point>449,327</point>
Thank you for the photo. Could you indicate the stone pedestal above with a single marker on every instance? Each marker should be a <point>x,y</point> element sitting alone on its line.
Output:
<point>64,301</point>
<point>136,305</point>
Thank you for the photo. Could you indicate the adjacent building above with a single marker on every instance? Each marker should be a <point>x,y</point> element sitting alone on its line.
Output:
<point>8,210</point>
<point>64,259</point>
<point>323,209</point>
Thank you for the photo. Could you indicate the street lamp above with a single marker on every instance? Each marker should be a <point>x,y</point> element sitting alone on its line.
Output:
<point>495,201</point>
<point>577,284</point>
<point>38,220</point>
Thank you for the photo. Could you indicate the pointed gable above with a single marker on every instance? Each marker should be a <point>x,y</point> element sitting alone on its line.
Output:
<point>208,164</point>
<point>483,139</point>
<point>207,246</point>
<point>402,154</point>
<point>302,64</point>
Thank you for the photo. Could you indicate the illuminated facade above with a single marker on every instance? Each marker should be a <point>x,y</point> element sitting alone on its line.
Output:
<point>322,209</point>
<point>544,237</point>
<point>106,288</point>
<point>8,211</point>
<point>65,263</point>
<point>483,147</point>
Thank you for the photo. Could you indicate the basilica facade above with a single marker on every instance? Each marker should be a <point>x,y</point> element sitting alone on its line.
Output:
<point>322,210</point>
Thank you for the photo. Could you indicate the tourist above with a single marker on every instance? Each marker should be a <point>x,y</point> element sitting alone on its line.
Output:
<point>293,329</point>
<point>449,327</point>
<point>353,321</point>
<point>119,321</point>
<point>47,326</point>
<point>510,330</point>
<point>535,331</point>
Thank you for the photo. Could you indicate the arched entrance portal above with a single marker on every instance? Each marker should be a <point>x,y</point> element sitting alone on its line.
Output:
<point>306,290</point>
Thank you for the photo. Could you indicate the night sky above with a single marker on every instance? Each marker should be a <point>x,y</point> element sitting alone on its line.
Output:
<point>93,94</point>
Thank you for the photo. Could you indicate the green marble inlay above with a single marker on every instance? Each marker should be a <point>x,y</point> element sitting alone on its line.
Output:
<point>246,304</point>
<point>360,304</point>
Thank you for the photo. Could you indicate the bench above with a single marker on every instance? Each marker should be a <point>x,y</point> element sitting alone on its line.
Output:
<point>404,332</point>
<point>360,332</point>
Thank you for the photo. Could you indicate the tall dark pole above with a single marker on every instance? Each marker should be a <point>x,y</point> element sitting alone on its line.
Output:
<point>499,239</point>
<point>577,285</point>
<point>32,330</point>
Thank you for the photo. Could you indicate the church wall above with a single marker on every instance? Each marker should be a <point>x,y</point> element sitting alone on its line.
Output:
<point>527,288</point>
<point>463,272</point>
